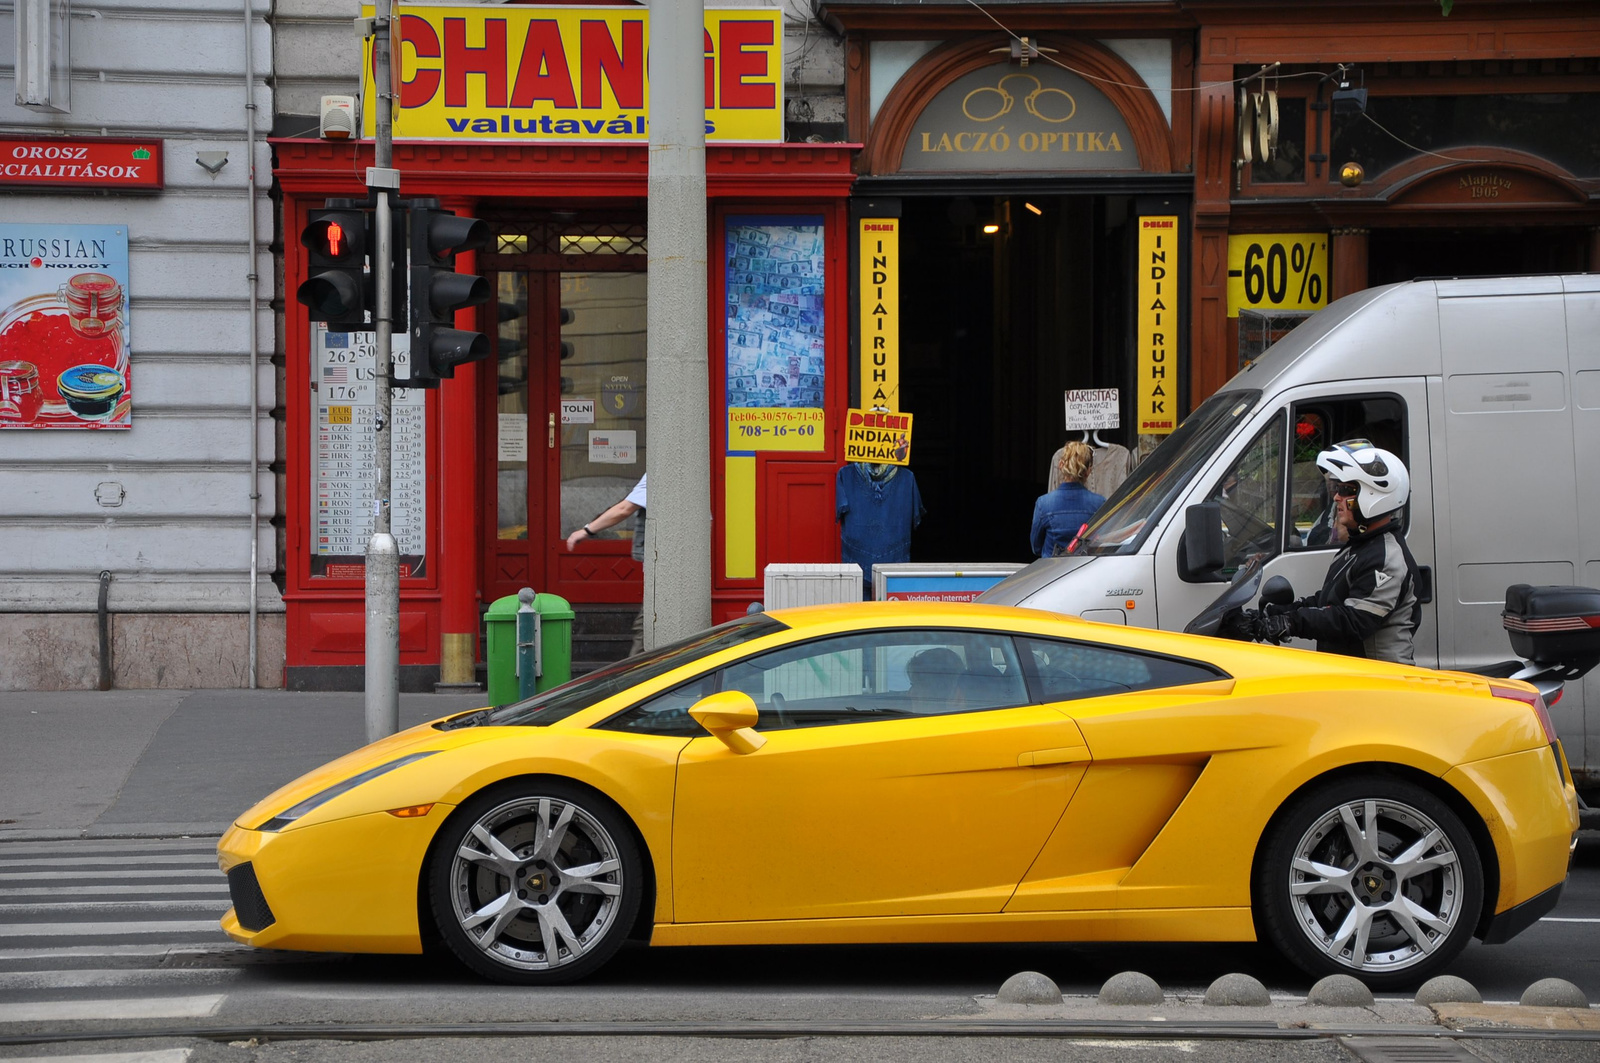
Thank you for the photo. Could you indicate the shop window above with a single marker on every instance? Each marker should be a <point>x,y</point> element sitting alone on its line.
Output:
<point>1563,127</point>
<point>1288,164</point>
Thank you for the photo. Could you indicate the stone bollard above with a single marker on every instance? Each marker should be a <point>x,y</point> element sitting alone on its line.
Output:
<point>1448,989</point>
<point>1131,987</point>
<point>1029,987</point>
<point>1237,990</point>
<point>1340,991</point>
<point>1554,993</point>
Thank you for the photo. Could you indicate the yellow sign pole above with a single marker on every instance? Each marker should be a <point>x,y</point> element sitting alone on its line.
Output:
<point>879,270</point>
<point>1157,335</point>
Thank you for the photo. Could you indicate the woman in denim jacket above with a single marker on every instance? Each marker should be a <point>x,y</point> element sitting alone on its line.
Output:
<point>1059,516</point>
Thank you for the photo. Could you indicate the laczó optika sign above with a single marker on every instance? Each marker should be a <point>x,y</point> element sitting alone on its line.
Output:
<point>570,74</point>
<point>80,162</point>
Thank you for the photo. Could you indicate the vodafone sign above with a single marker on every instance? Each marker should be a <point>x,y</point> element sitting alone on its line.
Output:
<point>80,162</point>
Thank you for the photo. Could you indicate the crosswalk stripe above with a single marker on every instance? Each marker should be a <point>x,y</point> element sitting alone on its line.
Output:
<point>107,929</point>
<point>89,978</point>
<point>160,948</point>
<point>155,1055</point>
<point>154,889</point>
<point>106,845</point>
<point>196,1007</point>
<point>113,859</point>
<point>49,876</point>
<point>196,904</point>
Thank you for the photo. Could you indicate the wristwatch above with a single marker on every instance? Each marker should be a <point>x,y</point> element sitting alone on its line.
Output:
<point>587,531</point>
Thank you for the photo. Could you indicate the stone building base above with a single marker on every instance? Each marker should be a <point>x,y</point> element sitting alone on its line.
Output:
<point>174,651</point>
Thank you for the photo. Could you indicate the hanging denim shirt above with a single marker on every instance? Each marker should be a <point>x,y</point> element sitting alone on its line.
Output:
<point>1059,515</point>
<point>876,516</point>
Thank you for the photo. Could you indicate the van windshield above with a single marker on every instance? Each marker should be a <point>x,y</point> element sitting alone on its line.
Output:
<point>1129,515</point>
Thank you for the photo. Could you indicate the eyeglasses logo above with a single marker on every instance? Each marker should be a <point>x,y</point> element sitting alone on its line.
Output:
<point>1031,102</point>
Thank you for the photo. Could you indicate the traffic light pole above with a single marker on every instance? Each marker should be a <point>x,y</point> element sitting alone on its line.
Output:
<point>383,554</point>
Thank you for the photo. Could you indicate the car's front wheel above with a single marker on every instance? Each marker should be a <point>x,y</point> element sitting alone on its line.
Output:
<point>536,882</point>
<point>1371,876</point>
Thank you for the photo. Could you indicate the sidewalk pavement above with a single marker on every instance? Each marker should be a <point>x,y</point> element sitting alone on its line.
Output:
<point>162,763</point>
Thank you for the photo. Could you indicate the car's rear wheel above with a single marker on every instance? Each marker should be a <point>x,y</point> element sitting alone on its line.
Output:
<point>536,882</point>
<point>1371,876</point>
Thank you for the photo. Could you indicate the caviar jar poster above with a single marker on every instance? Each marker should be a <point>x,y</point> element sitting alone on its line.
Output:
<point>64,326</point>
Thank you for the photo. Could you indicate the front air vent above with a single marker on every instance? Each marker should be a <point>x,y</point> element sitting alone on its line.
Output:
<point>249,903</point>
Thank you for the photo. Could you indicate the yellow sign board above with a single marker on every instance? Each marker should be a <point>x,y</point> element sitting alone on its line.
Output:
<point>776,428</point>
<point>877,438</point>
<point>1277,271</point>
<point>879,285</point>
<point>568,74</point>
<point>1157,329</point>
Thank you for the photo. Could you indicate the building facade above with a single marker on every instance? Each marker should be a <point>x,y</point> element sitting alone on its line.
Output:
<point>137,328</point>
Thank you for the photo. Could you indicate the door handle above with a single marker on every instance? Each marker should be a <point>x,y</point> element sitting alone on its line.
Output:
<point>1041,758</point>
<point>551,444</point>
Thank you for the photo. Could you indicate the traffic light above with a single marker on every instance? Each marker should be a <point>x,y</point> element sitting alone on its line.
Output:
<point>438,291</point>
<point>338,289</point>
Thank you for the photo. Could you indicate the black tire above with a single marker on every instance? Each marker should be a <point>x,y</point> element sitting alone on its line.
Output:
<point>578,890</point>
<point>1418,913</point>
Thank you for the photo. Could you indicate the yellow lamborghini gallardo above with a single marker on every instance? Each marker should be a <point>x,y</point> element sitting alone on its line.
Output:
<point>900,772</point>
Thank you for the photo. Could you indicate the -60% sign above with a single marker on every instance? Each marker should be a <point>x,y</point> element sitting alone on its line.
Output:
<point>1277,271</point>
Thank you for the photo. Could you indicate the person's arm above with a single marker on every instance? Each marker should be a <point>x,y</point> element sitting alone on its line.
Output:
<point>1377,584</point>
<point>613,516</point>
<point>1036,534</point>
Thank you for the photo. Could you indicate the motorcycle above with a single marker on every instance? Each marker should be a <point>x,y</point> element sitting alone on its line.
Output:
<point>1555,631</point>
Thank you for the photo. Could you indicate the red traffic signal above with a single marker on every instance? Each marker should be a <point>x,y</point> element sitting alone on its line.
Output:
<point>337,288</point>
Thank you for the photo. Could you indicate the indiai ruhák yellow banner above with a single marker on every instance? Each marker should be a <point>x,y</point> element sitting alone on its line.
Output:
<point>569,74</point>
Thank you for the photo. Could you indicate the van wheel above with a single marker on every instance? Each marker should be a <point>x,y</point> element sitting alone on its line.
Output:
<point>536,882</point>
<point>1370,876</point>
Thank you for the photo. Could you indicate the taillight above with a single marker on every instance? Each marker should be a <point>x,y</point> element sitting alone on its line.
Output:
<point>1528,697</point>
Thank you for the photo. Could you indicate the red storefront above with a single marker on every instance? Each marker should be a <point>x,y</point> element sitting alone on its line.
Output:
<point>501,463</point>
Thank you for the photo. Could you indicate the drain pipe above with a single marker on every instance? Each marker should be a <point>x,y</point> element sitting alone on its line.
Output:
<point>103,619</point>
<point>255,354</point>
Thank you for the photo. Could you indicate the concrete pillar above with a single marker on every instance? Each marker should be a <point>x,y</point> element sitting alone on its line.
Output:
<point>677,563</point>
<point>1349,261</point>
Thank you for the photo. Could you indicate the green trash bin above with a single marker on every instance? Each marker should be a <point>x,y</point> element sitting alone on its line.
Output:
<point>550,664</point>
<point>500,649</point>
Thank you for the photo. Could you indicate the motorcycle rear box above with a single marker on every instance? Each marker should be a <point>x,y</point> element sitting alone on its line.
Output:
<point>1550,624</point>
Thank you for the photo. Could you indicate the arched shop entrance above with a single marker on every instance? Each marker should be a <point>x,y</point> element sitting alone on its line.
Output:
<point>1018,194</point>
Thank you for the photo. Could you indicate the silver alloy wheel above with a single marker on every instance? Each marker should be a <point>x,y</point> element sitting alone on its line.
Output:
<point>1376,885</point>
<point>535,883</point>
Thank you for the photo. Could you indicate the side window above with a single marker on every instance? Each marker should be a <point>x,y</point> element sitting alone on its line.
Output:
<point>1064,671</point>
<point>1318,424</point>
<point>1251,496</point>
<point>880,675</point>
<point>666,714</point>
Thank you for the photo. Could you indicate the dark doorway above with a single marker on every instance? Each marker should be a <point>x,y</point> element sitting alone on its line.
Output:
<point>996,326</point>
<point>1404,254</point>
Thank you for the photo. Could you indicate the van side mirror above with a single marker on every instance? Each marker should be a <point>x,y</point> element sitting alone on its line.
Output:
<point>1278,591</point>
<point>1202,538</point>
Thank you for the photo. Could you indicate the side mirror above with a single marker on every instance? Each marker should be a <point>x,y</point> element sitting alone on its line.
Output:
<point>1202,538</point>
<point>1277,592</point>
<point>731,716</point>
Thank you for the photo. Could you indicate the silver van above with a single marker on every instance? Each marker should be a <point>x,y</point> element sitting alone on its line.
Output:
<point>1489,389</point>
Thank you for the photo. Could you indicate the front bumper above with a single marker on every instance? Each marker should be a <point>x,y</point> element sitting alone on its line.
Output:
<point>348,885</point>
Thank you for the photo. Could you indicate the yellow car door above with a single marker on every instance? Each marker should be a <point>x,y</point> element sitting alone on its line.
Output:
<point>903,773</point>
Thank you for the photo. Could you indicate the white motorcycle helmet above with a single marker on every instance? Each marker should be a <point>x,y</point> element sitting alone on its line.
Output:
<point>1385,483</point>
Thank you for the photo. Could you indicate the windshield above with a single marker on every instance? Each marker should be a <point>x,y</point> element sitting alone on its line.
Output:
<point>562,701</point>
<point>1128,516</point>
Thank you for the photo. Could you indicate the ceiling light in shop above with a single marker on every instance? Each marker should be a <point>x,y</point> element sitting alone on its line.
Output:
<point>1033,208</point>
<point>991,229</point>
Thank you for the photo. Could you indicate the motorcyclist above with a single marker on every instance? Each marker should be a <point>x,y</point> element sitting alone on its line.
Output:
<point>1368,604</point>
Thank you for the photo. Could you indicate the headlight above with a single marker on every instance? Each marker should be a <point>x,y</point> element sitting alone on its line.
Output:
<point>288,816</point>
